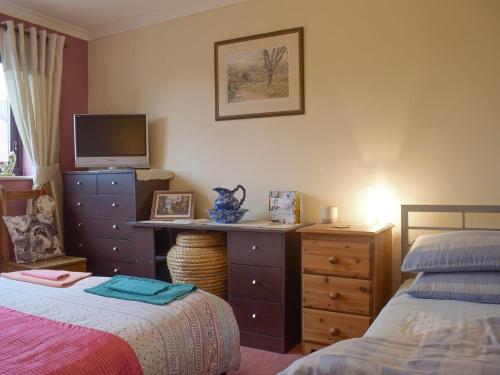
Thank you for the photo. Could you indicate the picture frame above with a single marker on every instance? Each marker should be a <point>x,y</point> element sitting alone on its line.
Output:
<point>172,205</point>
<point>260,75</point>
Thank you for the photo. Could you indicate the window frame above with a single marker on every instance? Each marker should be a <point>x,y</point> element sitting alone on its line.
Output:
<point>15,142</point>
<point>16,145</point>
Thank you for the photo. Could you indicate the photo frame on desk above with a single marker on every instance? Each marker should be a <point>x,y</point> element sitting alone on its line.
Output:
<point>171,205</point>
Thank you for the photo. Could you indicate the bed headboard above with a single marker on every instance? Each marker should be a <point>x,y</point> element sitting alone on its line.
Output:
<point>406,210</point>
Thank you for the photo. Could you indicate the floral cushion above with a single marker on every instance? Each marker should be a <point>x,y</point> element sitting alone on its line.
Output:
<point>34,237</point>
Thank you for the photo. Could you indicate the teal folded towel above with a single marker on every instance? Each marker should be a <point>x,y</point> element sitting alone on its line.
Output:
<point>139,289</point>
<point>136,285</point>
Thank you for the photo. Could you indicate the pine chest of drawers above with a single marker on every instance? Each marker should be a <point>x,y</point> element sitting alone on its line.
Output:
<point>345,281</point>
<point>264,287</point>
<point>98,207</point>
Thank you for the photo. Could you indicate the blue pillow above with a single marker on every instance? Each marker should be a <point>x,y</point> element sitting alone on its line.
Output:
<point>481,287</point>
<point>473,250</point>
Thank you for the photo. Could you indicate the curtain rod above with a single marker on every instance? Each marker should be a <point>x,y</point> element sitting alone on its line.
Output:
<point>26,32</point>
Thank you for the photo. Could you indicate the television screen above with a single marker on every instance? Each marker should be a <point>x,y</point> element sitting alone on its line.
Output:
<point>111,140</point>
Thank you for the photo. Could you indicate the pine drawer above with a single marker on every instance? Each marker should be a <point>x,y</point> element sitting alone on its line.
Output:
<point>336,294</point>
<point>325,327</point>
<point>336,258</point>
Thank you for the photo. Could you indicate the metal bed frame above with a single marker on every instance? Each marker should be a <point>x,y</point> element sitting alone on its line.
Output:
<point>406,210</point>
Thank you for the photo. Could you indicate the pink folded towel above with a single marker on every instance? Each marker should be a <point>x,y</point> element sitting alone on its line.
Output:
<point>54,275</point>
<point>67,281</point>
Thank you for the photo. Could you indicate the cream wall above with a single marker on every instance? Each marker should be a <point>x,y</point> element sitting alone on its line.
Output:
<point>404,94</point>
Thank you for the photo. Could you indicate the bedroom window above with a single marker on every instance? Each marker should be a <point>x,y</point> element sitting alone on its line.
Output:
<point>9,136</point>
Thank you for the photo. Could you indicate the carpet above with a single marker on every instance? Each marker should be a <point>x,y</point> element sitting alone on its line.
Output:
<point>260,362</point>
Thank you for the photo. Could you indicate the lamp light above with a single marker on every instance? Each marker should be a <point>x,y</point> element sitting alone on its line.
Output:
<point>379,204</point>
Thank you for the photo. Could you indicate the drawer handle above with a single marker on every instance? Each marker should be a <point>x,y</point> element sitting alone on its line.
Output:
<point>254,282</point>
<point>254,316</point>
<point>80,245</point>
<point>114,248</point>
<point>333,295</point>
<point>80,225</point>
<point>116,270</point>
<point>78,182</point>
<point>114,205</point>
<point>254,247</point>
<point>115,227</point>
<point>114,183</point>
<point>333,260</point>
<point>78,204</point>
<point>334,331</point>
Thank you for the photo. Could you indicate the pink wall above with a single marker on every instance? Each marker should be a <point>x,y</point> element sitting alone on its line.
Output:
<point>74,92</point>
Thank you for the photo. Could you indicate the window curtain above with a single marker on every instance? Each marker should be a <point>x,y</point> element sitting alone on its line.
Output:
<point>33,64</point>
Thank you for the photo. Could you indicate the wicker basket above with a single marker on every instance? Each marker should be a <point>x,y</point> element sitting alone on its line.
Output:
<point>200,258</point>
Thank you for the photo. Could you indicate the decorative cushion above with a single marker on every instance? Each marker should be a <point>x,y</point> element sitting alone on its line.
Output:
<point>481,287</point>
<point>45,204</point>
<point>476,250</point>
<point>34,237</point>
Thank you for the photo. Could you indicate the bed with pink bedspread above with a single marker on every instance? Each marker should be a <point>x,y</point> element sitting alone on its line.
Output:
<point>46,330</point>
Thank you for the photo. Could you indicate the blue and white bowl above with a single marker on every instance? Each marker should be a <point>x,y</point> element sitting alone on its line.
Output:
<point>226,216</point>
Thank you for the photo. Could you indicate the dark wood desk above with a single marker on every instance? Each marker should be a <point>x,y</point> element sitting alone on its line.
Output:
<point>264,286</point>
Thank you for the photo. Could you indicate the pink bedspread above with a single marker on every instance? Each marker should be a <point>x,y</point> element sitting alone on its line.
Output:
<point>34,345</point>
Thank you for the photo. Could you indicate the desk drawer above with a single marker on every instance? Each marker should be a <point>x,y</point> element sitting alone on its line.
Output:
<point>258,317</point>
<point>325,327</point>
<point>80,184</point>
<point>103,268</point>
<point>116,184</point>
<point>336,294</point>
<point>104,249</point>
<point>256,248</point>
<point>255,282</point>
<point>349,259</point>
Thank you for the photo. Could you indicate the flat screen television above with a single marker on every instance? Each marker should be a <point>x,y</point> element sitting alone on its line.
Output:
<point>111,141</point>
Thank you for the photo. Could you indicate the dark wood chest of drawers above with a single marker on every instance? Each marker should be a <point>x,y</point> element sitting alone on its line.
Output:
<point>264,288</point>
<point>98,208</point>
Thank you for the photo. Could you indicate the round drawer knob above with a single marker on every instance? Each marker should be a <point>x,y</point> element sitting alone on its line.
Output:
<point>254,247</point>
<point>115,227</point>
<point>80,245</point>
<point>78,204</point>
<point>114,248</point>
<point>114,183</point>
<point>78,182</point>
<point>333,295</point>
<point>116,270</point>
<point>254,316</point>
<point>334,331</point>
<point>114,205</point>
<point>80,225</point>
<point>333,260</point>
<point>254,282</point>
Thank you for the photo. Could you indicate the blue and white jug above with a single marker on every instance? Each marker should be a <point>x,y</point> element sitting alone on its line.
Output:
<point>226,199</point>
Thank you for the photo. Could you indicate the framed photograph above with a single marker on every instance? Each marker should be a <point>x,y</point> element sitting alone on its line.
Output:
<point>170,205</point>
<point>260,75</point>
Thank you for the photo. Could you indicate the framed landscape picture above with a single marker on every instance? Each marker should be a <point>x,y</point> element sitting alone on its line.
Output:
<point>170,205</point>
<point>260,75</point>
